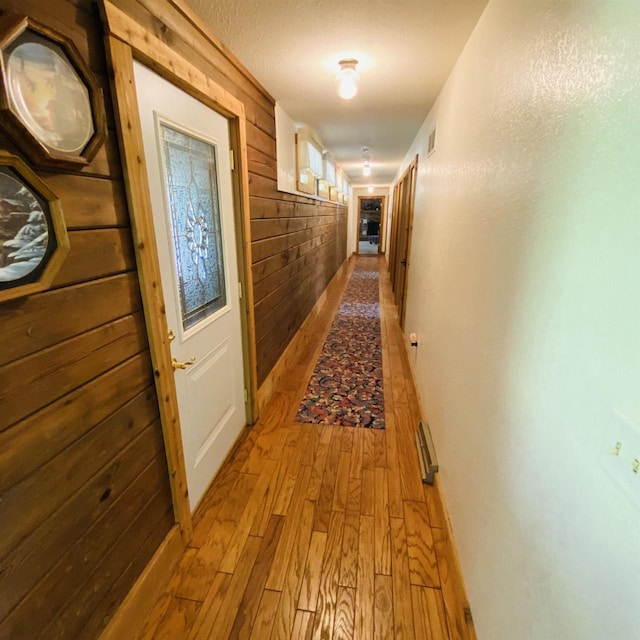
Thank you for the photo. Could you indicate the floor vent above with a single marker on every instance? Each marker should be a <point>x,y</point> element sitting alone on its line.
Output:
<point>426,453</point>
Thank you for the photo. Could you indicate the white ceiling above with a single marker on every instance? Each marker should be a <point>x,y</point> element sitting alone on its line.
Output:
<point>405,49</point>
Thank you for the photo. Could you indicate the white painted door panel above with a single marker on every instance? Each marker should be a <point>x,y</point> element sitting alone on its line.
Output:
<point>186,147</point>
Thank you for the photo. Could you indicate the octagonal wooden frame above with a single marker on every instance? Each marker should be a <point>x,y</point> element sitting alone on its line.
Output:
<point>12,27</point>
<point>32,182</point>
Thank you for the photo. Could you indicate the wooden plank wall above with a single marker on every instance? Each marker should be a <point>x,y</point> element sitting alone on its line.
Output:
<point>298,243</point>
<point>84,490</point>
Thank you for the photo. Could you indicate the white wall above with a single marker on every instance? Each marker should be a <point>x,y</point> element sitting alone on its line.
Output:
<point>286,151</point>
<point>363,192</point>
<point>524,290</point>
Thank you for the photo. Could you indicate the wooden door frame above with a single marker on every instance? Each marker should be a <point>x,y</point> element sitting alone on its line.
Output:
<point>404,194</point>
<point>383,218</point>
<point>393,249</point>
<point>128,41</point>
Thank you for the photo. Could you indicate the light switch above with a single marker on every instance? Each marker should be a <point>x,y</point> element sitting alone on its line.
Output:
<point>620,453</point>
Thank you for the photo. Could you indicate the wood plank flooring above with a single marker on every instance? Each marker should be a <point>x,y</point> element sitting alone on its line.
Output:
<point>319,532</point>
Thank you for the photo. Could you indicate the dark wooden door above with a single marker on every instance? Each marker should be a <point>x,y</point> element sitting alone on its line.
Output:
<point>404,198</point>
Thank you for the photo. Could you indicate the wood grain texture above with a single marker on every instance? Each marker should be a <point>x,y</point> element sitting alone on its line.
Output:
<point>249,606</point>
<point>120,60</point>
<point>182,41</point>
<point>220,626</point>
<point>429,616</point>
<point>127,620</point>
<point>422,555</point>
<point>343,627</point>
<point>365,590</point>
<point>349,561</point>
<point>264,619</point>
<point>303,625</point>
<point>52,373</point>
<point>27,325</point>
<point>403,612</point>
<point>383,608</point>
<point>285,613</point>
<point>382,527</point>
<point>349,578</point>
<point>312,572</point>
<point>83,474</point>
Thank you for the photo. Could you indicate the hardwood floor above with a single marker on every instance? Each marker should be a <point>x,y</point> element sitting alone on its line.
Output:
<point>320,532</point>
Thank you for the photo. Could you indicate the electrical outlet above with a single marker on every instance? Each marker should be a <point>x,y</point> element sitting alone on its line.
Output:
<point>620,456</point>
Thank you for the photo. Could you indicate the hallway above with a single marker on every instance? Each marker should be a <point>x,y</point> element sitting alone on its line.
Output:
<point>318,531</point>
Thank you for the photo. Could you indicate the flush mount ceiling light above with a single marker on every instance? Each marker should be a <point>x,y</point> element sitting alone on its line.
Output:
<point>366,166</point>
<point>348,78</point>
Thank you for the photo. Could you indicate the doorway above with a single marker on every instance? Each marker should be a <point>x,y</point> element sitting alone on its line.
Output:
<point>186,147</point>
<point>370,225</point>
<point>404,194</point>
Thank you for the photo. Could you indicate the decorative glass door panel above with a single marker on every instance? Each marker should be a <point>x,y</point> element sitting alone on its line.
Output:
<point>191,192</point>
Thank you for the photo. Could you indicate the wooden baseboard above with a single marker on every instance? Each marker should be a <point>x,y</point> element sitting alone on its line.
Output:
<point>129,617</point>
<point>291,353</point>
<point>457,608</point>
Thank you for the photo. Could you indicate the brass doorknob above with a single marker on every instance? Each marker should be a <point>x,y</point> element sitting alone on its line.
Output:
<point>182,365</point>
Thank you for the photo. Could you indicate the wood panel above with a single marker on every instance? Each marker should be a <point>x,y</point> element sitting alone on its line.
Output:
<point>44,434</point>
<point>166,23</point>
<point>25,564</point>
<point>70,572</point>
<point>89,202</point>
<point>37,496</point>
<point>52,373</point>
<point>59,407</point>
<point>84,484</point>
<point>34,323</point>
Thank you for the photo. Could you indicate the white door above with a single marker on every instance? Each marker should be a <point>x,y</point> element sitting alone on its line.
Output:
<point>186,147</point>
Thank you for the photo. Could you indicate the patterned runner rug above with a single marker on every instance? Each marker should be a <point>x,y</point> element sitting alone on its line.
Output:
<point>346,385</point>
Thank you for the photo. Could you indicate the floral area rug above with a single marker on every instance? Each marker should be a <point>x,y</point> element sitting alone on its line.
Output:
<point>346,385</point>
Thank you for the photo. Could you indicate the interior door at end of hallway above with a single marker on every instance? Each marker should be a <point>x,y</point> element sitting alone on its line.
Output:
<point>186,147</point>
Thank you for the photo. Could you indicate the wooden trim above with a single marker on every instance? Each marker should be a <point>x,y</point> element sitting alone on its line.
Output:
<point>14,26</point>
<point>395,208</point>
<point>454,594</point>
<point>383,226</point>
<point>457,607</point>
<point>383,218</point>
<point>163,60</point>
<point>129,617</point>
<point>291,354</point>
<point>238,139</point>
<point>412,172</point>
<point>128,40</point>
<point>120,60</point>
<point>203,28</point>
<point>401,232</point>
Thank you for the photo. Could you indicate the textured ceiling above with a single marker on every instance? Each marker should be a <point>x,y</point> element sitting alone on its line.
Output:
<point>405,49</point>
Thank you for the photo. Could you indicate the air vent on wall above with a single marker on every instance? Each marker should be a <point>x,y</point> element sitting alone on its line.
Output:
<point>426,453</point>
<point>431,147</point>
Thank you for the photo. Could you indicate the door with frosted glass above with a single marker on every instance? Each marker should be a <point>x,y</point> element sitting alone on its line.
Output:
<point>186,147</point>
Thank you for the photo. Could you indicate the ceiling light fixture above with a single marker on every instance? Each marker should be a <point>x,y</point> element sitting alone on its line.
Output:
<point>370,188</point>
<point>366,166</point>
<point>348,78</point>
